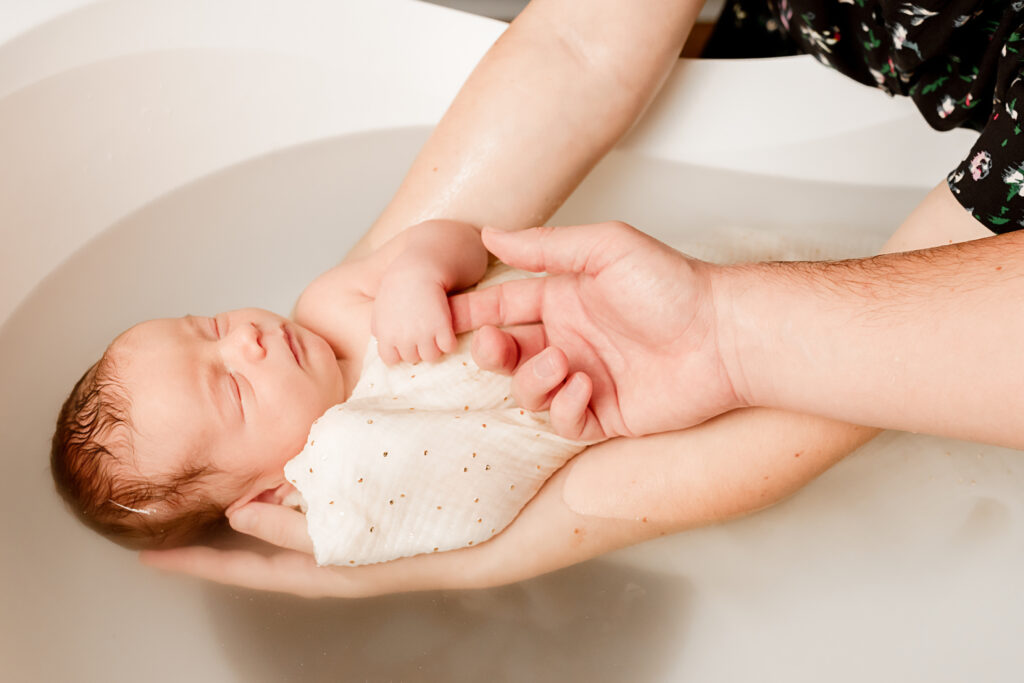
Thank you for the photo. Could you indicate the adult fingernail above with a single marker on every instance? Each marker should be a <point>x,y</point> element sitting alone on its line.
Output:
<point>545,367</point>
<point>241,520</point>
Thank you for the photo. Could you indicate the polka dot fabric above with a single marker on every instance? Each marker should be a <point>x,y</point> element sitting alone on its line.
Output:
<point>422,458</point>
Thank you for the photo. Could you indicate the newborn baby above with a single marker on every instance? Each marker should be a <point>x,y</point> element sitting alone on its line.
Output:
<point>183,420</point>
<point>421,458</point>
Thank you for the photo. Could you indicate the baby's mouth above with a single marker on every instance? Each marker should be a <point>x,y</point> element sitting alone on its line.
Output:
<point>293,345</point>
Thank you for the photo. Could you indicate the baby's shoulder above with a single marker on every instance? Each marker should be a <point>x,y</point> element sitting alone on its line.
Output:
<point>337,307</point>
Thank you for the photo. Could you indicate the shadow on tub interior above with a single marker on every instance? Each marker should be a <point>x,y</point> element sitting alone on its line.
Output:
<point>593,622</point>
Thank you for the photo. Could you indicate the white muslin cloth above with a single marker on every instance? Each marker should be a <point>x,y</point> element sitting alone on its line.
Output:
<point>422,458</point>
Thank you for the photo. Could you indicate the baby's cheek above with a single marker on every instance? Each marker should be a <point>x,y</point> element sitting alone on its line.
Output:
<point>296,419</point>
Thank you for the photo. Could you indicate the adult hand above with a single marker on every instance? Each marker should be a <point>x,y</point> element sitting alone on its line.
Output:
<point>287,564</point>
<point>546,535</point>
<point>612,495</point>
<point>620,339</point>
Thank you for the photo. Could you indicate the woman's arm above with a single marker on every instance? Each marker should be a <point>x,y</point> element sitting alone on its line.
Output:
<point>661,484</point>
<point>547,101</point>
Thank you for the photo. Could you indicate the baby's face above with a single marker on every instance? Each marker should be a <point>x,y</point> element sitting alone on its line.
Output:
<point>237,392</point>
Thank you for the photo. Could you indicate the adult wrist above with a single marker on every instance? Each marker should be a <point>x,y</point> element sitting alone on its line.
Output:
<point>743,328</point>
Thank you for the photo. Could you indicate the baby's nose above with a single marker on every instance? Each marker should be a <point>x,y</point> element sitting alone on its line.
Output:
<point>247,340</point>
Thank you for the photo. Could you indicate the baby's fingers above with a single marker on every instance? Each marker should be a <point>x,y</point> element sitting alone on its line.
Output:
<point>428,350</point>
<point>408,351</point>
<point>445,340</point>
<point>388,353</point>
<point>276,524</point>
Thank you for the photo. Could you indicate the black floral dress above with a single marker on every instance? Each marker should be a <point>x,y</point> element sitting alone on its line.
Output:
<point>960,61</point>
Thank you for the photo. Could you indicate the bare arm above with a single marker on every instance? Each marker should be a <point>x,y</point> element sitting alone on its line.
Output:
<point>923,341</point>
<point>408,280</point>
<point>548,100</point>
<point>725,468</point>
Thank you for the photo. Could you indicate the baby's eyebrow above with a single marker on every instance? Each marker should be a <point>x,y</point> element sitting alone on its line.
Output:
<point>195,323</point>
<point>214,397</point>
<point>207,372</point>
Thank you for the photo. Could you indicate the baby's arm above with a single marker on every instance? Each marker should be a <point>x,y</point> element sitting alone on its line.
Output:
<point>407,280</point>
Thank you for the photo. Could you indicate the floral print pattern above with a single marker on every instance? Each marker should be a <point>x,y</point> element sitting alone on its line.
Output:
<point>960,61</point>
<point>981,164</point>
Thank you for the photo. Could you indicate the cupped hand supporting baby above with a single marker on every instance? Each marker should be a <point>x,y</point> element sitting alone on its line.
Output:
<point>621,339</point>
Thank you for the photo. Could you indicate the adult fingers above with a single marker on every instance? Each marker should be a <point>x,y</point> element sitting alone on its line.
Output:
<point>571,249</point>
<point>537,379</point>
<point>511,303</point>
<point>286,571</point>
<point>276,524</point>
<point>503,350</point>
<point>571,416</point>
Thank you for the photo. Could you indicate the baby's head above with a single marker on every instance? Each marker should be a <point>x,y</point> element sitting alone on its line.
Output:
<point>184,419</point>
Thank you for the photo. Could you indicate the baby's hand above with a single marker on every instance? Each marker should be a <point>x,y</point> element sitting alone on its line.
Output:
<point>411,319</point>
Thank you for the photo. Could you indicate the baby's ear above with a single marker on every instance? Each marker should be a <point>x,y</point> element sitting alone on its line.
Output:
<point>274,496</point>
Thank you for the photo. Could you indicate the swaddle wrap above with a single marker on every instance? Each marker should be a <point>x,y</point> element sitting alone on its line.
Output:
<point>421,458</point>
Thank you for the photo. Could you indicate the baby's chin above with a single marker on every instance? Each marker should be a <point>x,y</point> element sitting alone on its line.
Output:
<point>322,354</point>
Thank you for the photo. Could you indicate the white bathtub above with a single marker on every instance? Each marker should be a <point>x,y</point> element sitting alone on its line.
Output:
<point>163,156</point>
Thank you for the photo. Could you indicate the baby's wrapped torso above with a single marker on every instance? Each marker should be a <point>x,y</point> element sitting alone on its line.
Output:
<point>421,458</point>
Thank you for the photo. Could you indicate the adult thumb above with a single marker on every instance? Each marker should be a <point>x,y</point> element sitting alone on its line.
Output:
<point>571,249</point>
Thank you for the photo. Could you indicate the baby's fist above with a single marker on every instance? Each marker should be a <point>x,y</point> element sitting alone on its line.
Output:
<point>411,321</point>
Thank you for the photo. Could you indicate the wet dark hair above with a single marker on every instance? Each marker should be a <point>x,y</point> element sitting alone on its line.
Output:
<point>93,467</point>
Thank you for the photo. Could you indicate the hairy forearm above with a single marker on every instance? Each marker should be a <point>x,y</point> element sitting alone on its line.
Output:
<point>550,98</point>
<point>922,341</point>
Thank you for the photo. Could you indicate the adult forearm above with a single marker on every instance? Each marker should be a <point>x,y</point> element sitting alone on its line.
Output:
<point>550,98</point>
<point>924,341</point>
<point>626,491</point>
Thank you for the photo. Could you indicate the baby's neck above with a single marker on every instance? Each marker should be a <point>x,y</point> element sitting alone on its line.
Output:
<point>350,368</point>
<point>347,332</point>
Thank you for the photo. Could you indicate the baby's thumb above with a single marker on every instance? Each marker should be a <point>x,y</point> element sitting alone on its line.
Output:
<point>547,249</point>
